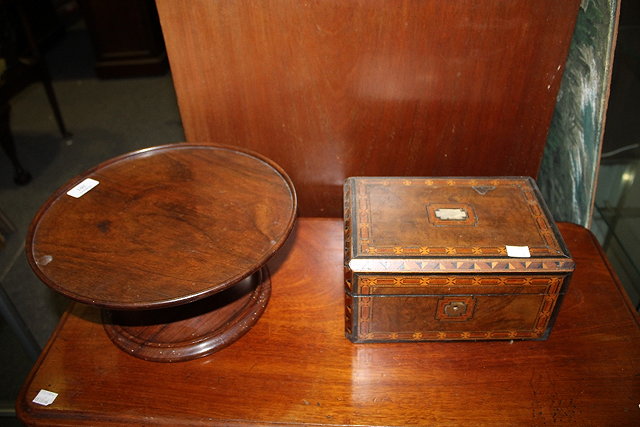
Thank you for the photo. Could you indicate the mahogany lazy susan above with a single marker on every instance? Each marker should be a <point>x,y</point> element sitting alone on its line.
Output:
<point>170,242</point>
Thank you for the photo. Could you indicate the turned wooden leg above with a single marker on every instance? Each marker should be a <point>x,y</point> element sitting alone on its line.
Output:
<point>43,72</point>
<point>20,176</point>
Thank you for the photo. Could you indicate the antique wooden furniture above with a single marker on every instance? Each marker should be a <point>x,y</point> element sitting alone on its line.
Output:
<point>331,89</point>
<point>295,366</point>
<point>450,259</point>
<point>171,243</point>
<point>126,37</point>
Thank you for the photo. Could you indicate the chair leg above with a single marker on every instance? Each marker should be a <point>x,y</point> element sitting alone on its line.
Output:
<point>46,80</point>
<point>45,77</point>
<point>20,176</point>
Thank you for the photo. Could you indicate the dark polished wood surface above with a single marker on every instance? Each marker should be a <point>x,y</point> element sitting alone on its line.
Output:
<point>224,210</point>
<point>295,366</point>
<point>370,87</point>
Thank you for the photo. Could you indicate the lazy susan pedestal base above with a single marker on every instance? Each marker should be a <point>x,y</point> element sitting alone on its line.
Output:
<point>193,330</point>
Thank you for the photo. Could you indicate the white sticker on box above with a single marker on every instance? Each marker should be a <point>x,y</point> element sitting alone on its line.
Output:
<point>518,251</point>
<point>82,188</point>
<point>45,397</point>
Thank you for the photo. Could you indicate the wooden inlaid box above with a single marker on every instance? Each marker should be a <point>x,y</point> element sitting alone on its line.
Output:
<point>450,259</point>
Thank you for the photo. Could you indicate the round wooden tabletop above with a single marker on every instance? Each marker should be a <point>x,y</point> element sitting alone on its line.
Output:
<point>164,226</point>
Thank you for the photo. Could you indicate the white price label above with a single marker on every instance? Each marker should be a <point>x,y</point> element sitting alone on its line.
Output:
<point>45,397</point>
<point>82,188</point>
<point>518,251</point>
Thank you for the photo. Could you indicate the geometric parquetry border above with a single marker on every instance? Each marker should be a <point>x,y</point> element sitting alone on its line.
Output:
<point>434,265</point>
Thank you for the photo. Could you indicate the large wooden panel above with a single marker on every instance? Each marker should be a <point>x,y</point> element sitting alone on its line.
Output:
<point>334,88</point>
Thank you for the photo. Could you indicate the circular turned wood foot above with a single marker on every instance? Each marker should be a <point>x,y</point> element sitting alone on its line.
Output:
<point>192,330</point>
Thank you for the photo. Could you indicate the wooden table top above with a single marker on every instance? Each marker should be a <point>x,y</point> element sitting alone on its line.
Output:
<point>228,210</point>
<point>296,367</point>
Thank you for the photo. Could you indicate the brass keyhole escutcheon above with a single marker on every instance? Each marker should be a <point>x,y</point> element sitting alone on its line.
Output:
<point>455,309</point>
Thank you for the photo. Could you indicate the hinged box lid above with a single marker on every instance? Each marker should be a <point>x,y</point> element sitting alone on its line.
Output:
<point>450,225</point>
